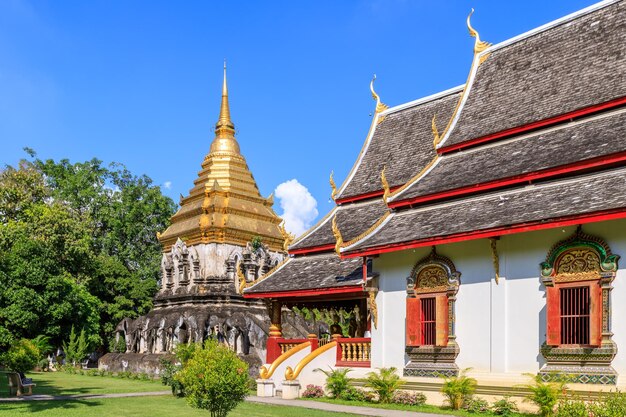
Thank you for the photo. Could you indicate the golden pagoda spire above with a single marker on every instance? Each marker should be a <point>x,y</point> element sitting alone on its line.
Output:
<point>224,128</point>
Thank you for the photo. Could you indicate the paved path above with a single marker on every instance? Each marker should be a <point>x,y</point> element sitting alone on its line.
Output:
<point>353,409</point>
<point>84,396</point>
<point>315,405</point>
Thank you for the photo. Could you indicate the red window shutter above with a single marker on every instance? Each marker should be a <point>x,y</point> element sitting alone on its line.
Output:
<point>595,335</point>
<point>553,314</point>
<point>442,320</point>
<point>413,325</point>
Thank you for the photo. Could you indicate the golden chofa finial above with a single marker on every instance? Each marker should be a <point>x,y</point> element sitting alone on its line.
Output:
<point>224,128</point>
<point>333,186</point>
<point>338,237</point>
<point>479,45</point>
<point>383,180</point>
<point>379,105</point>
<point>288,237</point>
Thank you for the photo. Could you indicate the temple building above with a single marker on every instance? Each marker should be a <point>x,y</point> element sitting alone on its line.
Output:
<point>481,227</point>
<point>224,235</point>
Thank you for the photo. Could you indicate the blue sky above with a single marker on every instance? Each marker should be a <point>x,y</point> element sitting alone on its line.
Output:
<point>139,82</point>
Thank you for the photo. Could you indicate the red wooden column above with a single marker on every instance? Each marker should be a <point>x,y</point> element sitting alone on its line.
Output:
<point>273,348</point>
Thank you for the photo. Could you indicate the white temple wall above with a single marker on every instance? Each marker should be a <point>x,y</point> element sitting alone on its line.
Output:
<point>499,328</point>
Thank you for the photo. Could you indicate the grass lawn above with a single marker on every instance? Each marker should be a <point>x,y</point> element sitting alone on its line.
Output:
<point>422,408</point>
<point>61,383</point>
<point>165,406</point>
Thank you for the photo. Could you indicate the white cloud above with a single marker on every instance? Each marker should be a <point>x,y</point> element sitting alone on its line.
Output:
<point>167,185</point>
<point>298,205</point>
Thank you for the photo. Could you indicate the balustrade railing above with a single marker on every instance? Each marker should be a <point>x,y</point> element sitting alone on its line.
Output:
<point>287,344</point>
<point>354,352</point>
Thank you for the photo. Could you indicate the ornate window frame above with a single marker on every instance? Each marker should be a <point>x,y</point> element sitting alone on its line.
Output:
<point>579,260</point>
<point>433,275</point>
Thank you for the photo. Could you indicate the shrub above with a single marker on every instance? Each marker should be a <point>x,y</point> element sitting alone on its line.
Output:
<point>354,394</point>
<point>504,407</point>
<point>21,357</point>
<point>42,343</point>
<point>571,408</point>
<point>43,364</point>
<point>168,371</point>
<point>184,351</point>
<point>612,404</point>
<point>476,405</point>
<point>337,381</point>
<point>545,395</point>
<point>458,389</point>
<point>408,398</point>
<point>313,391</point>
<point>214,378</point>
<point>384,383</point>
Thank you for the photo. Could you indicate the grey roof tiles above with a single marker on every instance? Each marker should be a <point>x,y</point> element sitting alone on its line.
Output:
<point>545,202</point>
<point>589,138</point>
<point>577,64</point>
<point>312,272</point>
<point>403,142</point>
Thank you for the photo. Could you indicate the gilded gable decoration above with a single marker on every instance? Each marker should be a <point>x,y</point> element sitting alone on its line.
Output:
<point>337,234</point>
<point>385,184</point>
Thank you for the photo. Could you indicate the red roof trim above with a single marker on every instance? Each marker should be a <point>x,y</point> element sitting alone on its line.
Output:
<point>365,196</point>
<point>499,231</point>
<point>356,289</point>
<point>531,176</point>
<point>314,249</point>
<point>530,126</point>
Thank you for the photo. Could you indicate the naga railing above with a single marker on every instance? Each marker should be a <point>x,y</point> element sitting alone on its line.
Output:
<point>265,373</point>
<point>291,374</point>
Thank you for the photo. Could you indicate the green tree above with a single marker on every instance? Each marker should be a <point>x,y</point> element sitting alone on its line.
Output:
<point>21,356</point>
<point>77,245</point>
<point>215,379</point>
<point>77,348</point>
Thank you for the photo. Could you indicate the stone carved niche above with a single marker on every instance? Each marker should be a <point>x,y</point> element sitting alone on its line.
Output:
<point>580,261</point>
<point>250,263</point>
<point>433,277</point>
<point>180,267</point>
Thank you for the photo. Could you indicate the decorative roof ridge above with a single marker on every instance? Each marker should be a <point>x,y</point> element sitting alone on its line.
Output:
<point>317,225</point>
<point>501,193</point>
<point>481,55</point>
<point>376,120</point>
<point>369,230</point>
<point>380,223</point>
<point>395,196</point>
<point>557,182</point>
<point>557,22</point>
<point>424,100</point>
<point>429,167</point>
